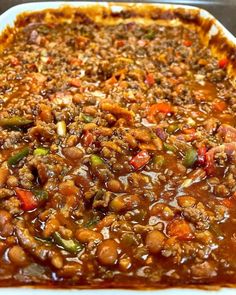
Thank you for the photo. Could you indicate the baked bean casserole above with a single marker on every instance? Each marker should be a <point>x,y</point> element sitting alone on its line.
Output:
<point>118,152</point>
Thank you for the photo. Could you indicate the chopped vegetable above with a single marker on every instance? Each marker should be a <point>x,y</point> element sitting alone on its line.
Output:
<point>41,151</point>
<point>27,199</point>
<point>169,147</point>
<point>120,43</point>
<point>190,158</point>
<point>187,43</point>
<point>96,160</point>
<point>150,79</point>
<point>88,138</point>
<point>75,82</point>
<point>189,130</point>
<point>92,222</point>
<point>31,199</point>
<point>87,118</point>
<point>68,245</point>
<point>172,128</point>
<point>150,35</point>
<point>13,160</point>
<point>223,63</point>
<point>159,160</point>
<point>201,155</point>
<point>140,160</point>
<point>180,229</point>
<point>219,105</point>
<point>40,195</point>
<point>156,108</point>
<point>186,183</point>
<point>15,121</point>
<point>61,128</point>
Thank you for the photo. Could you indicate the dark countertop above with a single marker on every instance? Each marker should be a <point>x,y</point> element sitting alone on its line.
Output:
<point>223,10</point>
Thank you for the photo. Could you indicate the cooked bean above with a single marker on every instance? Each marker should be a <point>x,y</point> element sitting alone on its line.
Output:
<point>117,151</point>
<point>162,210</point>
<point>114,185</point>
<point>5,217</point>
<point>87,235</point>
<point>12,181</point>
<point>18,256</point>
<point>57,261</point>
<point>186,201</point>
<point>124,203</point>
<point>155,241</point>
<point>107,252</point>
<point>4,173</point>
<point>73,153</point>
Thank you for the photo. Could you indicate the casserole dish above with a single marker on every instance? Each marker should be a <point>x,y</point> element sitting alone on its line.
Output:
<point>178,227</point>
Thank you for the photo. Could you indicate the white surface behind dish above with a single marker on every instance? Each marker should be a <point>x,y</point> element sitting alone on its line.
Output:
<point>8,18</point>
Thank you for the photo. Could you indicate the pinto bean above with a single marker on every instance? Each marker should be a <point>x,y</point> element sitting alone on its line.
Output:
<point>4,173</point>
<point>155,241</point>
<point>107,252</point>
<point>186,201</point>
<point>124,203</point>
<point>114,185</point>
<point>86,235</point>
<point>18,256</point>
<point>73,153</point>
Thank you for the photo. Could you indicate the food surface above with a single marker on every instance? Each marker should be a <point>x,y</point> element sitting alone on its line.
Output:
<point>118,153</point>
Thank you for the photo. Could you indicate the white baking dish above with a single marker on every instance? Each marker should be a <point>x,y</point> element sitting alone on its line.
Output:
<point>7,19</point>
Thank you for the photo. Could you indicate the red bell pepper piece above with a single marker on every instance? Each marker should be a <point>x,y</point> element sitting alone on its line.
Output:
<point>156,108</point>
<point>228,202</point>
<point>150,79</point>
<point>223,63</point>
<point>120,43</point>
<point>187,43</point>
<point>27,199</point>
<point>201,156</point>
<point>219,106</point>
<point>88,138</point>
<point>14,61</point>
<point>141,159</point>
<point>75,82</point>
<point>180,229</point>
<point>189,130</point>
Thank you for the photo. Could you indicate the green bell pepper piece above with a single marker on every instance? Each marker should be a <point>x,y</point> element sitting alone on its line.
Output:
<point>96,160</point>
<point>15,121</point>
<point>14,159</point>
<point>190,158</point>
<point>41,151</point>
<point>68,245</point>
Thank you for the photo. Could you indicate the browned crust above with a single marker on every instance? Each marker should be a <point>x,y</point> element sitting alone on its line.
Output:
<point>191,18</point>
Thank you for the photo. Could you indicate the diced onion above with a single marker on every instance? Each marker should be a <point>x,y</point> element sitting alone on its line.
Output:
<point>61,128</point>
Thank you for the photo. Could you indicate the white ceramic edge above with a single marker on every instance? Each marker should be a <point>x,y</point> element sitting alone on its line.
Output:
<point>8,18</point>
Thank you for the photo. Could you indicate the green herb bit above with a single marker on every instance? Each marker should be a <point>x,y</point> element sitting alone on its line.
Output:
<point>92,222</point>
<point>41,151</point>
<point>68,245</point>
<point>13,160</point>
<point>41,195</point>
